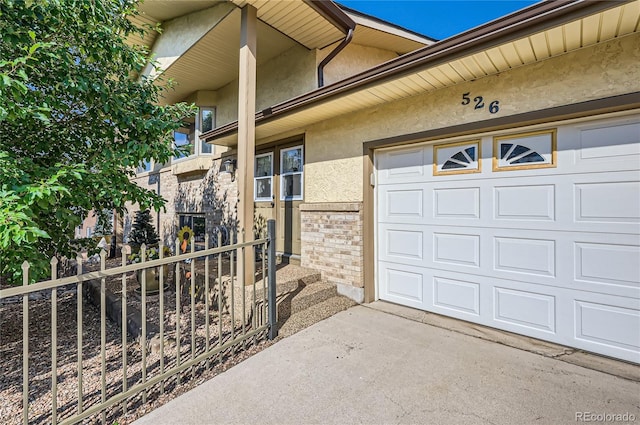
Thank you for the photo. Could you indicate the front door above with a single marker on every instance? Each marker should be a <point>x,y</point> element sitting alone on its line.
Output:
<point>278,193</point>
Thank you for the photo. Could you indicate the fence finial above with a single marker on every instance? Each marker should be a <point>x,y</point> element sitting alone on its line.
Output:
<point>143,252</point>
<point>54,267</point>
<point>79,264</point>
<point>25,273</point>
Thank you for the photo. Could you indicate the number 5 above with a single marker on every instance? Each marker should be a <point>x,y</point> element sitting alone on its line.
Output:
<point>465,98</point>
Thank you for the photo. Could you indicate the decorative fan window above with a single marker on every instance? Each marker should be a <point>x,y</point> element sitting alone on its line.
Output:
<point>457,158</point>
<point>526,150</point>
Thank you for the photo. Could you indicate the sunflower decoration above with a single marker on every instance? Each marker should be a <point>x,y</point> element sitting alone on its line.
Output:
<point>184,236</point>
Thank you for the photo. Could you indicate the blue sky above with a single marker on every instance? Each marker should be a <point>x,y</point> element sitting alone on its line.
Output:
<point>437,18</point>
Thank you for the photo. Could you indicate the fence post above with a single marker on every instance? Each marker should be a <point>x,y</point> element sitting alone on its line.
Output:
<point>271,266</point>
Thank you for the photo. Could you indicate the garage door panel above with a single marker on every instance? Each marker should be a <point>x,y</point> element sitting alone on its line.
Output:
<point>612,141</point>
<point>608,264</point>
<point>407,165</point>
<point>405,204</point>
<point>528,256</point>
<point>456,203</point>
<point>607,325</point>
<point>405,244</point>
<point>591,263</point>
<point>456,249</point>
<point>403,285</point>
<point>525,309</point>
<point>565,316</point>
<point>461,296</point>
<point>552,253</point>
<point>525,202</point>
<point>581,203</point>
<point>608,202</point>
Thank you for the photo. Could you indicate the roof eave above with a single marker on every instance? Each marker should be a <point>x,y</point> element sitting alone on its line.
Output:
<point>539,16</point>
<point>333,13</point>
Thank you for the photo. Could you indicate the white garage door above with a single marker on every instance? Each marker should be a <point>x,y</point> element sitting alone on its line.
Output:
<point>541,236</point>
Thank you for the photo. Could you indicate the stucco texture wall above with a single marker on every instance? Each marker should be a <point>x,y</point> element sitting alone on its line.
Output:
<point>281,78</point>
<point>294,73</point>
<point>333,149</point>
<point>351,60</point>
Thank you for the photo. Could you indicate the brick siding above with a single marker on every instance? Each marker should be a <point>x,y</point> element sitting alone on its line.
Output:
<point>207,192</point>
<point>331,236</point>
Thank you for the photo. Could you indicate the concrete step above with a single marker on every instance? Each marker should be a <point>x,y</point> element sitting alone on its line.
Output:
<point>289,278</point>
<point>304,297</point>
<point>312,315</point>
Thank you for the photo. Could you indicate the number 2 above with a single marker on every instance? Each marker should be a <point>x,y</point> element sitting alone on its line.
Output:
<point>479,102</point>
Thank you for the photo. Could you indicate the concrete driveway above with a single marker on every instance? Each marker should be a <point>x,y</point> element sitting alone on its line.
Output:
<point>365,366</point>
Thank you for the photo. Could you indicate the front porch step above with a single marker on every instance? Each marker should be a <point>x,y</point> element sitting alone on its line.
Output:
<point>312,315</point>
<point>304,297</point>
<point>290,278</point>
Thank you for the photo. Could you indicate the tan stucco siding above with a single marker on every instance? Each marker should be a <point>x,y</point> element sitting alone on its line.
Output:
<point>333,171</point>
<point>203,98</point>
<point>351,60</point>
<point>227,104</point>
<point>286,76</point>
<point>294,73</point>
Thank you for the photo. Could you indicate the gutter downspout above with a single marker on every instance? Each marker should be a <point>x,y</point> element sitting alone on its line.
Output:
<point>332,55</point>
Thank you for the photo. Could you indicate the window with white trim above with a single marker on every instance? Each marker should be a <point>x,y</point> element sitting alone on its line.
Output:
<point>190,136</point>
<point>145,166</point>
<point>263,180</point>
<point>207,121</point>
<point>183,138</point>
<point>292,174</point>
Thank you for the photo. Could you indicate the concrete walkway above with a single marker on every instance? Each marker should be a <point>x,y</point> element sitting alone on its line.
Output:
<point>364,366</point>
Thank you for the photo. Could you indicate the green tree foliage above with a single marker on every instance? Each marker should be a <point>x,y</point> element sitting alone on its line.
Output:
<point>142,231</point>
<point>75,121</point>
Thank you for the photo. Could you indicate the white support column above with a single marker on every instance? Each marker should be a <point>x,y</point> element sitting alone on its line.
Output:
<point>246,136</point>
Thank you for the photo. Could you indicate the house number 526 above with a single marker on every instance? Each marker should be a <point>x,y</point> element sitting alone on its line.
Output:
<point>494,106</point>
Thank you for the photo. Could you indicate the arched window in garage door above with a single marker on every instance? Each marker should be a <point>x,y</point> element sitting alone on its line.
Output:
<point>525,150</point>
<point>456,158</point>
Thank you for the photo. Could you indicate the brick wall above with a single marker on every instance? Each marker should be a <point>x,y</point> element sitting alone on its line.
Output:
<point>203,191</point>
<point>331,236</point>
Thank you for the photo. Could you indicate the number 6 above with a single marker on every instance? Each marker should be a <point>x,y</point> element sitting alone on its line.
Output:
<point>493,107</point>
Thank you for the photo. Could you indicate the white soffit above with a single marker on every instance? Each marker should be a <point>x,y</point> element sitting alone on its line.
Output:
<point>296,19</point>
<point>372,32</point>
